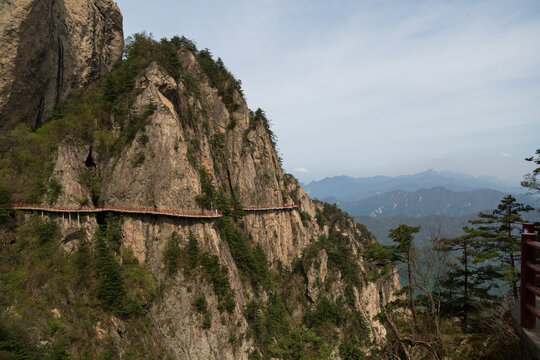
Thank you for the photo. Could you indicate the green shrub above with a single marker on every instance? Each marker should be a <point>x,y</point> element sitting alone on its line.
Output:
<point>207,321</point>
<point>192,252</point>
<point>138,159</point>
<point>351,350</point>
<point>274,335</point>
<point>213,272</point>
<point>53,325</point>
<point>340,256</point>
<point>5,196</point>
<point>218,275</point>
<point>206,199</point>
<point>110,289</point>
<point>251,261</point>
<point>305,217</point>
<point>89,180</point>
<point>54,189</point>
<point>47,232</point>
<point>325,312</point>
<point>171,254</point>
<point>142,139</point>
<point>200,305</point>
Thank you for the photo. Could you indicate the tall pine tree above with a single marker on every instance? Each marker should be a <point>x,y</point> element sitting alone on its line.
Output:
<point>110,289</point>
<point>403,236</point>
<point>471,276</point>
<point>501,228</point>
<point>531,180</point>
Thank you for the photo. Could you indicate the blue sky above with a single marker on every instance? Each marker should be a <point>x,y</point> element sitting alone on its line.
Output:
<point>376,87</point>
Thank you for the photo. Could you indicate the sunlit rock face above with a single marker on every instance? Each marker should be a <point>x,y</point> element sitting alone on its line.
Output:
<point>189,130</point>
<point>48,48</point>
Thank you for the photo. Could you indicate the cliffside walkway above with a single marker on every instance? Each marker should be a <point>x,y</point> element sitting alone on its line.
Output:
<point>198,214</point>
<point>119,209</point>
<point>271,207</point>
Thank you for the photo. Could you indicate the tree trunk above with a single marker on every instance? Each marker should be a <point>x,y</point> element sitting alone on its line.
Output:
<point>466,288</point>
<point>512,264</point>
<point>411,290</point>
<point>514,281</point>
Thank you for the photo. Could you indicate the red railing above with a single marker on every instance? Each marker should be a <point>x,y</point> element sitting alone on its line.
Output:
<point>142,210</point>
<point>529,271</point>
<point>121,209</point>
<point>269,207</point>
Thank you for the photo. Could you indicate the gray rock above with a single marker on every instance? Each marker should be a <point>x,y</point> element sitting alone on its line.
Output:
<point>48,48</point>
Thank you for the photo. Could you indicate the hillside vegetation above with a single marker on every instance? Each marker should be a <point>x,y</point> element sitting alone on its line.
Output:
<point>289,284</point>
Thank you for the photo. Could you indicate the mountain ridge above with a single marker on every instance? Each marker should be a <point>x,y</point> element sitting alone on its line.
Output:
<point>346,188</point>
<point>425,202</point>
<point>169,127</point>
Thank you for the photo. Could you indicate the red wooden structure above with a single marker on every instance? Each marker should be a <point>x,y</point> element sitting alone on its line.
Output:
<point>120,209</point>
<point>529,271</point>
<point>141,210</point>
<point>270,207</point>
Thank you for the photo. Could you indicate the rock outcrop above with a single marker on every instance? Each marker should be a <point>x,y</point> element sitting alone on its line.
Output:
<point>48,48</point>
<point>191,128</point>
<point>179,135</point>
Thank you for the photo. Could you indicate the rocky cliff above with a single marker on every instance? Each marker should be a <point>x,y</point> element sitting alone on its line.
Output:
<point>192,128</point>
<point>48,48</point>
<point>170,128</point>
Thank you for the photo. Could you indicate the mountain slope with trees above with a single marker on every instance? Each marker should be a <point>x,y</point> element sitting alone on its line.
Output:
<point>169,128</point>
<point>346,188</point>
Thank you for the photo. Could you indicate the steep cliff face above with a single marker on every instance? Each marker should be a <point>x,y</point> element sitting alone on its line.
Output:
<point>192,128</point>
<point>168,128</point>
<point>48,48</point>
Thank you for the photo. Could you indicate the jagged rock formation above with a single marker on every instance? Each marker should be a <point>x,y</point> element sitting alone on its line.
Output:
<point>48,48</point>
<point>192,127</point>
<point>176,133</point>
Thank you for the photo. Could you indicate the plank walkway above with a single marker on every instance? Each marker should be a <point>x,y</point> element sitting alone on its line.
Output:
<point>199,214</point>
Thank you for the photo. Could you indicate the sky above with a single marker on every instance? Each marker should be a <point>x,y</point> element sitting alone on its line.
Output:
<point>364,88</point>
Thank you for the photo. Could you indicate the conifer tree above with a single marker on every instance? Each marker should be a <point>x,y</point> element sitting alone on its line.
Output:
<point>530,180</point>
<point>110,289</point>
<point>171,253</point>
<point>471,276</point>
<point>403,236</point>
<point>501,228</point>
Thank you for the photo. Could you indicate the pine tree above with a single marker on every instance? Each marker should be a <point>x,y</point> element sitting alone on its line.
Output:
<point>171,253</point>
<point>110,289</point>
<point>530,180</point>
<point>501,228</point>
<point>471,276</point>
<point>403,236</point>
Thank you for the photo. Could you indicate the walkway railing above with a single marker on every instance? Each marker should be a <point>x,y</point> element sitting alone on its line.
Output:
<point>270,207</point>
<point>120,209</point>
<point>141,210</point>
<point>529,271</point>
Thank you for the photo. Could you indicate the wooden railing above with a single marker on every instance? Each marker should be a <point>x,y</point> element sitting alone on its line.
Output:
<point>529,271</point>
<point>141,210</point>
<point>270,207</point>
<point>120,209</point>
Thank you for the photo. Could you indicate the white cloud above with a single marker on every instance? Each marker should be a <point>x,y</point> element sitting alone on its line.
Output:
<point>506,154</point>
<point>302,170</point>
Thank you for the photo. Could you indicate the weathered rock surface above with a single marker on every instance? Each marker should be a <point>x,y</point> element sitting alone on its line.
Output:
<point>191,129</point>
<point>48,48</point>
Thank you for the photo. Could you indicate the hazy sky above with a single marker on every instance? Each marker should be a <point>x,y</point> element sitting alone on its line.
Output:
<point>376,87</point>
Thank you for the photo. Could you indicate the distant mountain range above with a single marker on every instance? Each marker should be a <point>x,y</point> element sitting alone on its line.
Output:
<point>346,188</point>
<point>433,225</point>
<point>425,202</point>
